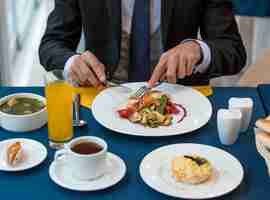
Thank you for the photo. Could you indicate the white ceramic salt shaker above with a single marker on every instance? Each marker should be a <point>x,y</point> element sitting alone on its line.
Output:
<point>229,124</point>
<point>245,105</point>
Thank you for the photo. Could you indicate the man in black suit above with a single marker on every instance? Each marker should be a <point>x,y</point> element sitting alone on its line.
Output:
<point>140,40</point>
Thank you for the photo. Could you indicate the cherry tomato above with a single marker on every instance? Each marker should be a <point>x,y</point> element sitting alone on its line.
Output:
<point>175,109</point>
<point>168,110</point>
<point>125,113</point>
<point>172,109</point>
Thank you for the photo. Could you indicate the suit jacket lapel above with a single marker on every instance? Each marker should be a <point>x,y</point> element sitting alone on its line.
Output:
<point>166,12</point>
<point>114,11</point>
<point>114,20</point>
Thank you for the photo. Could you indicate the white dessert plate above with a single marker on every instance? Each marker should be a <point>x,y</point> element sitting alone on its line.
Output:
<point>198,107</point>
<point>61,174</point>
<point>34,153</point>
<point>155,170</point>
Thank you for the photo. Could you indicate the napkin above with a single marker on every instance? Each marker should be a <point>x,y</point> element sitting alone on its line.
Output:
<point>262,149</point>
<point>264,92</point>
<point>88,94</point>
<point>205,90</point>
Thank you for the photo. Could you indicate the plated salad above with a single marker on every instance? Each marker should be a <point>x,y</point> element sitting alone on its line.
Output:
<point>152,110</point>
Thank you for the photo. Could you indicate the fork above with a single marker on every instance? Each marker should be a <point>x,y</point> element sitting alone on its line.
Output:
<point>111,84</point>
<point>142,90</point>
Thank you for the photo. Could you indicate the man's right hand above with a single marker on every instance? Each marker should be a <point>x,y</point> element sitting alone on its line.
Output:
<point>86,69</point>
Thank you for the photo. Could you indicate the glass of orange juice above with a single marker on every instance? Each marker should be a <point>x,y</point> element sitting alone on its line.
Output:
<point>59,95</point>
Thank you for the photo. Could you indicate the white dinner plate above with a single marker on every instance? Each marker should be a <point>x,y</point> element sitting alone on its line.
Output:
<point>198,107</point>
<point>61,174</point>
<point>155,171</point>
<point>34,153</point>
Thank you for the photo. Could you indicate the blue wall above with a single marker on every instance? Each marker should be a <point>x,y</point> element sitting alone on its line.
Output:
<point>259,8</point>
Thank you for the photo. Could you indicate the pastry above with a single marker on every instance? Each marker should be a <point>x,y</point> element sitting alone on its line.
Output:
<point>191,169</point>
<point>14,154</point>
<point>264,124</point>
<point>264,138</point>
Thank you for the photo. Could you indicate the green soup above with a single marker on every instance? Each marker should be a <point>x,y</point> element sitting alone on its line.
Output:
<point>21,106</point>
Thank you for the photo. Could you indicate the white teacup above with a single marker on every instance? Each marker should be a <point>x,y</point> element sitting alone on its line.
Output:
<point>84,166</point>
<point>229,125</point>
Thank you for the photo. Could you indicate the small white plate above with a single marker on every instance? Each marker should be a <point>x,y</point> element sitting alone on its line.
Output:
<point>198,107</point>
<point>155,171</point>
<point>60,173</point>
<point>34,154</point>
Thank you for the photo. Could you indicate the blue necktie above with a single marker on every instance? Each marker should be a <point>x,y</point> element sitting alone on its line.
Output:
<point>140,42</point>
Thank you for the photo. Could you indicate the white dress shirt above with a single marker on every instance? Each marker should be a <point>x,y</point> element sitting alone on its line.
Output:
<point>155,6</point>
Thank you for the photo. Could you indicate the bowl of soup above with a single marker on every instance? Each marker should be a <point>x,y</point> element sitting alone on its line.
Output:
<point>22,112</point>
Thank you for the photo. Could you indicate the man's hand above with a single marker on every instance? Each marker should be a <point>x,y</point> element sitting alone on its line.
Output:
<point>177,63</point>
<point>86,69</point>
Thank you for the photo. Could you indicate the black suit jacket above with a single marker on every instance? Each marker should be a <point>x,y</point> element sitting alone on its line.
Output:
<point>101,22</point>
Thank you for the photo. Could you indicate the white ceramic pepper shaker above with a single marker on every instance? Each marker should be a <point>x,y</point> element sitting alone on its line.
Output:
<point>245,105</point>
<point>229,125</point>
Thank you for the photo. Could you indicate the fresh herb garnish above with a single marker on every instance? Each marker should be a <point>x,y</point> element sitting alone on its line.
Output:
<point>163,102</point>
<point>199,161</point>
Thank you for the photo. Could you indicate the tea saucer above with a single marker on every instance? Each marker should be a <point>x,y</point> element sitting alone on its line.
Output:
<point>60,173</point>
<point>34,154</point>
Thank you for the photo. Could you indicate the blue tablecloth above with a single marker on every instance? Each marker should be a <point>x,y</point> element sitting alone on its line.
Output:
<point>264,92</point>
<point>35,184</point>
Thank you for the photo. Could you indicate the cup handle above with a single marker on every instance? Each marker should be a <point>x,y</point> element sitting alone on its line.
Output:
<point>60,154</point>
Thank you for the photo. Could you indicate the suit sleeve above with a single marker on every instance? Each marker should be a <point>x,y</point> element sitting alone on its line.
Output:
<point>62,35</point>
<point>219,30</point>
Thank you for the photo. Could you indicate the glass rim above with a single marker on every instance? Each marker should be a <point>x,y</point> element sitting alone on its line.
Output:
<point>53,76</point>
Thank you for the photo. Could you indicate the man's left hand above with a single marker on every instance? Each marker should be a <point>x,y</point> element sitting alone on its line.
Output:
<point>176,63</point>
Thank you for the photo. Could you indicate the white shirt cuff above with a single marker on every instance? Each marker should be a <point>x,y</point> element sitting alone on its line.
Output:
<point>203,66</point>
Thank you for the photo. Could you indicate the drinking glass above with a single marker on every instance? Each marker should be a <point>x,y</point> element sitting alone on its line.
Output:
<point>59,95</point>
